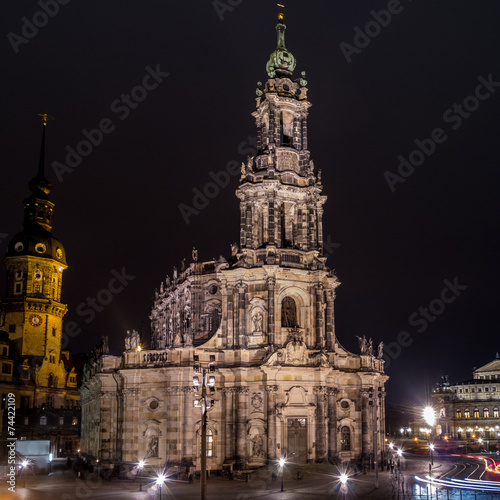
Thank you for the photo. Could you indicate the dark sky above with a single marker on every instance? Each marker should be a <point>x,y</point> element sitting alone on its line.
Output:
<point>119,208</point>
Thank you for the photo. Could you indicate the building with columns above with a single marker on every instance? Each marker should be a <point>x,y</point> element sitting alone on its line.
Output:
<point>470,409</point>
<point>35,369</point>
<point>261,319</point>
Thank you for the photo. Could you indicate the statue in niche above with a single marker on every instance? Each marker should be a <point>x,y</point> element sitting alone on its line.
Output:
<point>257,446</point>
<point>257,322</point>
<point>152,447</point>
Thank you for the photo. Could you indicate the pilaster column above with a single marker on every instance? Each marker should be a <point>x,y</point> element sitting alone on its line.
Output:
<point>320,424</point>
<point>366,423</point>
<point>272,222</point>
<point>225,314</point>
<point>271,283</point>
<point>272,125</point>
<point>241,417</point>
<point>296,133</point>
<point>189,434</point>
<point>271,421</point>
<point>228,423</point>
<point>330,329</point>
<point>243,224</point>
<point>320,339</point>
<point>242,288</point>
<point>236,317</point>
<point>304,133</point>
<point>230,317</point>
<point>319,211</point>
<point>332,423</point>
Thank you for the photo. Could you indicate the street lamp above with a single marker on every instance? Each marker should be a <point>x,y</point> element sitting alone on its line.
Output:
<point>205,404</point>
<point>140,465</point>
<point>160,480</point>
<point>431,449</point>
<point>282,465</point>
<point>50,462</point>
<point>23,466</point>
<point>343,484</point>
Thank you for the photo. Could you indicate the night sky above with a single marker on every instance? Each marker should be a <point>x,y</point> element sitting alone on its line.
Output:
<point>392,249</point>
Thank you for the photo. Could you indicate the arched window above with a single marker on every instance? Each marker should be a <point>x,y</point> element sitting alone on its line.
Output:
<point>345,438</point>
<point>486,413</point>
<point>213,319</point>
<point>459,414</point>
<point>289,312</point>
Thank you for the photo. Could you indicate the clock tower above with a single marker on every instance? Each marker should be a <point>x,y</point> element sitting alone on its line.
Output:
<point>32,311</point>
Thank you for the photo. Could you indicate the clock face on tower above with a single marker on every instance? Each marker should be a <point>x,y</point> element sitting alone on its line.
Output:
<point>35,320</point>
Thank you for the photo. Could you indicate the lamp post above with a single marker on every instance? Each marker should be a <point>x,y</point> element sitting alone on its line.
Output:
<point>140,465</point>
<point>282,465</point>
<point>160,480</point>
<point>207,380</point>
<point>374,403</point>
<point>50,463</point>
<point>343,485</point>
<point>24,464</point>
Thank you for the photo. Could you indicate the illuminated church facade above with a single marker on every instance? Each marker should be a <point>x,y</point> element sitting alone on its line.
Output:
<point>262,320</point>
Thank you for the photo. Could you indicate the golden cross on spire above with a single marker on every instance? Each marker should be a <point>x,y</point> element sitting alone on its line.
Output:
<point>280,14</point>
<point>45,118</point>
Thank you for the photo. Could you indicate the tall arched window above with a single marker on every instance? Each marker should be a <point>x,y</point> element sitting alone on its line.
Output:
<point>345,438</point>
<point>288,312</point>
<point>210,443</point>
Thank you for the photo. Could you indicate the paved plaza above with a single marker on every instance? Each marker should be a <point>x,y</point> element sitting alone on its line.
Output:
<point>317,482</point>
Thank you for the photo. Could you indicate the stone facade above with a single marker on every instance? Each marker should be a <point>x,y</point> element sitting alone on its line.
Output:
<point>470,408</point>
<point>262,318</point>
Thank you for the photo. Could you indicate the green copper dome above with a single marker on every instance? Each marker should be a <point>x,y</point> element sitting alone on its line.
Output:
<point>281,61</point>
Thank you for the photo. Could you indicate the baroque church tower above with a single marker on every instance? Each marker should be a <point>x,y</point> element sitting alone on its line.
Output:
<point>262,319</point>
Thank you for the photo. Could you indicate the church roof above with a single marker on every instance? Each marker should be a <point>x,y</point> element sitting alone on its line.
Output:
<point>492,366</point>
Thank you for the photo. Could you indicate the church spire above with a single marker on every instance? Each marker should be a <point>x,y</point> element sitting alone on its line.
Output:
<point>40,182</point>
<point>281,61</point>
<point>38,207</point>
